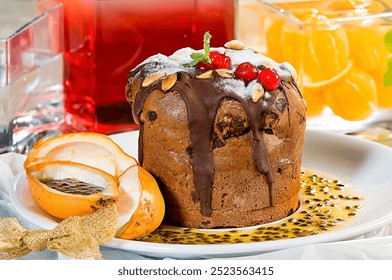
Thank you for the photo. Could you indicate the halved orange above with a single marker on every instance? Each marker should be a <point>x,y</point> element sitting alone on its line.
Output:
<point>64,189</point>
<point>60,169</point>
<point>141,205</point>
<point>89,148</point>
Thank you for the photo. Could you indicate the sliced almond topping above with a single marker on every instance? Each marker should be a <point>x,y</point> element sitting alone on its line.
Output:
<point>169,81</point>
<point>225,73</point>
<point>235,45</point>
<point>257,92</point>
<point>154,77</point>
<point>267,64</point>
<point>205,75</point>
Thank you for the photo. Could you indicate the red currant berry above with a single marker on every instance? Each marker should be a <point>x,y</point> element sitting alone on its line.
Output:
<point>214,54</point>
<point>203,66</point>
<point>269,79</point>
<point>221,61</point>
<point>246,71</point>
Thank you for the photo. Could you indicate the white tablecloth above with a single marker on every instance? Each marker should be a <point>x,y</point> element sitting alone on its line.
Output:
<point>373,245</point>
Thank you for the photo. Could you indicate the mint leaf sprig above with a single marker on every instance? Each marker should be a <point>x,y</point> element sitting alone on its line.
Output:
<point>201,57</point>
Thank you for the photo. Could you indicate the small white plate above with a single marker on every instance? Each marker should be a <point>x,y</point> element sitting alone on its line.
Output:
<point>362,164</point>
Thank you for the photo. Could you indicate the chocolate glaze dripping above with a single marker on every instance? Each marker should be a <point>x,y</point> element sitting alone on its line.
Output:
<point>202,98</point>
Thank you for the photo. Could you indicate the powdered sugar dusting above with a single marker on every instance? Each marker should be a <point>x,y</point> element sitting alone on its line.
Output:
<point>175,63</point>
<point>235,86</point>
<point>160,62</point>
<point>267,95</point>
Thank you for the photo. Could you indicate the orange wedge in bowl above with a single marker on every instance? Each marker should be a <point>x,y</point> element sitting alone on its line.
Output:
<point>141,205</point>
<point>89,148</point>
<point>64,189</point>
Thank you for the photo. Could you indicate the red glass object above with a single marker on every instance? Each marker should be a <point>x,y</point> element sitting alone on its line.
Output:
<point>104,40</point>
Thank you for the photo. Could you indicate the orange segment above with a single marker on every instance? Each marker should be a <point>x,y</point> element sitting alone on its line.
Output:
<point>354,97</point>
<point>367,47</point>
<point>326,54</point>
<point>324,49</point>
<point>151,207</point>
<point>74,189</point>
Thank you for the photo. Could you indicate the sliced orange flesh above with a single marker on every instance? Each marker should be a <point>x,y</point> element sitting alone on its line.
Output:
<point>89,148</point>
<point>150,210</point>
<point>62,204</point>
<point>367,47</point>
<point>354,97</point>
<point>325,52</point>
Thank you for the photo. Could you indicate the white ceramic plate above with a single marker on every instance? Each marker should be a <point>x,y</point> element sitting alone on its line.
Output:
<point>361,163</point>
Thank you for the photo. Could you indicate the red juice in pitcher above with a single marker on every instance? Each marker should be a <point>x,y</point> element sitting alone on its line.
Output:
<point>105,39</point>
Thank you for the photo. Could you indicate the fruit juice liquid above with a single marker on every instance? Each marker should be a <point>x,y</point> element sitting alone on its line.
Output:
<point>342,51</point>
<point>105,39</point>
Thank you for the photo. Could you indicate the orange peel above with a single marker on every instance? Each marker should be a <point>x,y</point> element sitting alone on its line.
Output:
<point>145,216</point>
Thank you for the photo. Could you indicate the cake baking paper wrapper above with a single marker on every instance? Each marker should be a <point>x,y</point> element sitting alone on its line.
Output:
<point>373,245</point>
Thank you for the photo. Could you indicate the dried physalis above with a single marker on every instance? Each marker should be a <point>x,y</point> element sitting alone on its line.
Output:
<point>11,239</point>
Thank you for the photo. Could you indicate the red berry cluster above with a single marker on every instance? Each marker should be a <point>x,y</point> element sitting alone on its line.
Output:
<point>218,61</point>
<point>247,72</point>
